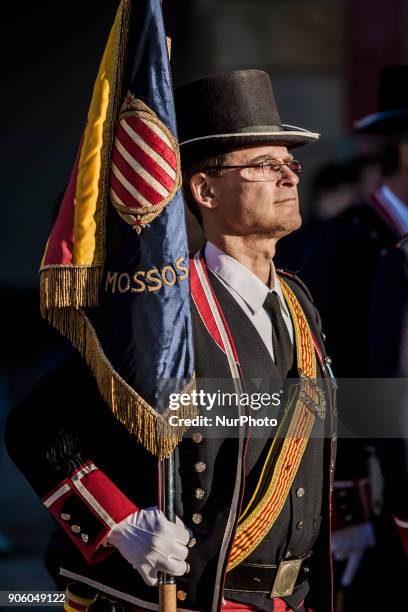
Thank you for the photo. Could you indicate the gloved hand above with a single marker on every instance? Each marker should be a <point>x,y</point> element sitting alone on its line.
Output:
<point>151,543</point>
<point>350,543</point>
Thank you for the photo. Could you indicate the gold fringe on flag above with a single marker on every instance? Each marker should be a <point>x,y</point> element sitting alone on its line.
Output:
<point>65,286</point>
<point>150,428</point>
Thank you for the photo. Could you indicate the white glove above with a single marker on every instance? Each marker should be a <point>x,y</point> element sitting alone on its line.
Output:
<point>350,543</point>
<point>151,543</point>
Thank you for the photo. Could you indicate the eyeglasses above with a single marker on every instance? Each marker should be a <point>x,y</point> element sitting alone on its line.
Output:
<point>263,171</point>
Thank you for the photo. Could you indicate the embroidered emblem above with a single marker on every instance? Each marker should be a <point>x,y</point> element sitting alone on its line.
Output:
<point>311,395</point>
<point>145,164</point>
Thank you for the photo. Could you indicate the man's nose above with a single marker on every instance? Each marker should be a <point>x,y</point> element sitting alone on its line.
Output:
<point>287,178</point>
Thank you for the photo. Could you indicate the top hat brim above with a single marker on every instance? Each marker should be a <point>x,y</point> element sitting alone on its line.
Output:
<point>206,146</point>
<point>385,122</point>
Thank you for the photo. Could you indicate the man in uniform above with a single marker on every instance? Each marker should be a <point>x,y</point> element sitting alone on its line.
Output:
<point>252,531</point>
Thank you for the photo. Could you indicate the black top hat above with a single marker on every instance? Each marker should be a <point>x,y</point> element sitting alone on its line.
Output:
<point>392,116</point>
<point>230,110</point>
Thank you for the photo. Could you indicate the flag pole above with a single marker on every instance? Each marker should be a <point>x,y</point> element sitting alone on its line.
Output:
<point>167,582</point>
<point>167,494</point>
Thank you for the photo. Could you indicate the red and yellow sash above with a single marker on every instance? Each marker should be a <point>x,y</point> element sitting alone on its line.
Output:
<point>288,445</point>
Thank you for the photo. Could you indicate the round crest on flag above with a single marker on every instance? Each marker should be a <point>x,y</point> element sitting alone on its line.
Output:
<point>145,164</point>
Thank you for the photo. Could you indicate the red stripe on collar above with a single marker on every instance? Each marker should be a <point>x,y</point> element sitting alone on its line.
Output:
<point>204,308</point>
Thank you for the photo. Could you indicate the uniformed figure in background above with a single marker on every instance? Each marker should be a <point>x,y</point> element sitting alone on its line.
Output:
<point>389,354</point>
<point>355,268</point>
<point>253,525</point>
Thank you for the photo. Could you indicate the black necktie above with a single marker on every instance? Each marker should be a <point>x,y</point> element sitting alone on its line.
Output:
<point>282,345</point>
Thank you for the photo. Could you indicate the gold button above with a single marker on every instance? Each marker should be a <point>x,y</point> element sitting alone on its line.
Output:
<point>200,466</point>
<point>76,528</point>
<point>65,517</point>
<point>197,518</point>
<point>197,437</point>
<point>85,537</point>
<point>300,492</point>
<point>199,493</point>
<point>192,542</point>
<point>181,595</point>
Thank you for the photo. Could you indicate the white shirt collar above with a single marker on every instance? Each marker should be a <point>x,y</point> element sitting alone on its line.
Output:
<point>244,282</point>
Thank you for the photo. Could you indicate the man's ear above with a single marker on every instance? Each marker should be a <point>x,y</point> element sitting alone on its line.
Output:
<point>200,185</point>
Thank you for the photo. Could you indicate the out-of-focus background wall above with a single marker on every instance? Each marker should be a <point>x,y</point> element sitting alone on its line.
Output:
<point>324,57</point>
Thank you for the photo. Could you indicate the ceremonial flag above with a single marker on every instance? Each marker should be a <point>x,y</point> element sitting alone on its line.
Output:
<point>114,277</point>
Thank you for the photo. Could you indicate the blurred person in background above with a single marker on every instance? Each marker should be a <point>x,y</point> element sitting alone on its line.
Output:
<point>368,175</point>
<point>335,187</point>
<point>332,191</point>
<point>347,265</point>
<point>389,358</point>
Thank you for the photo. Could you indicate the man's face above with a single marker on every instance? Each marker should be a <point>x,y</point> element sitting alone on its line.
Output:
<point>242,206</point>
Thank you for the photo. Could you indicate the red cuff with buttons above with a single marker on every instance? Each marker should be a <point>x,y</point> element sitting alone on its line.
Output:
<point>351,503</point>
<point>87,505</point>
<point>403,532</point>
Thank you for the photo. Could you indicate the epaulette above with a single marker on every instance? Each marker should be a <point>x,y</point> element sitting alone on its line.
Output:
<point>297,280</point>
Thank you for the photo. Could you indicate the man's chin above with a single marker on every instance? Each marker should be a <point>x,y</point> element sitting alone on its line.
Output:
<point>286,226</point>
<point>297,223</point>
